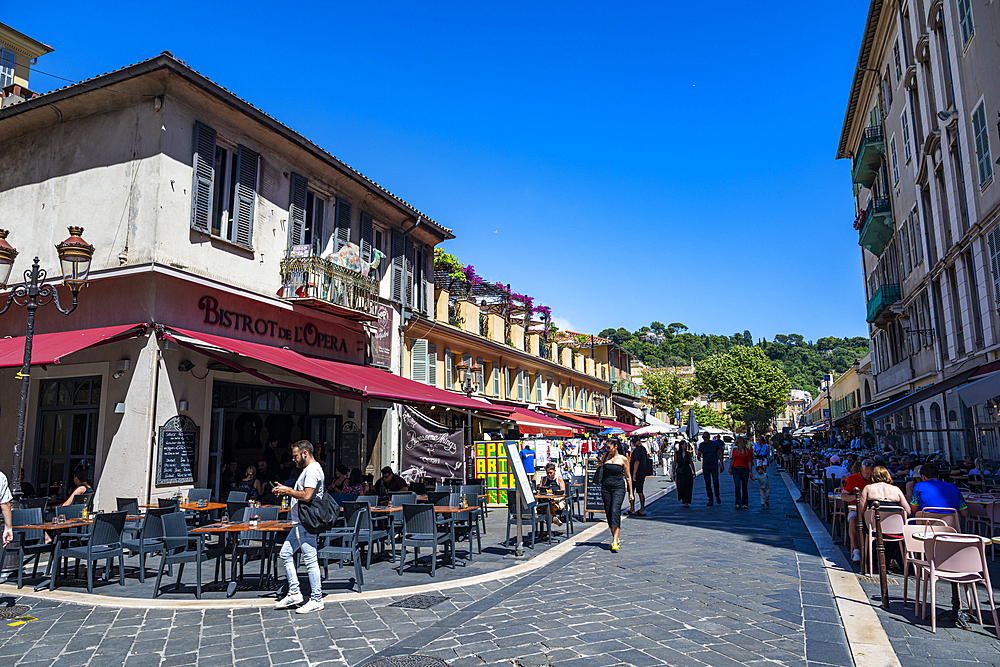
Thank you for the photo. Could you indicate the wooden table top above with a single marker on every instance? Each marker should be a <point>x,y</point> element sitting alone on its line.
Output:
<point>262,526</point>
<point>549,496</point>
<point>192,507</point>
<point>69,523</point>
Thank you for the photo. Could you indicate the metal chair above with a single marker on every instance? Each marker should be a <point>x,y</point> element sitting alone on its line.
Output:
<point>251,543</point>
<point>959,559</point>
<point>178,550</point>
<point>420,530</point>
<point>349,538</point>
<point>369,534</point>
<point>236,497</point>
<point>528,516</point>
<point>103,543</point>
<point>149,539</point>
<point>27,543</point>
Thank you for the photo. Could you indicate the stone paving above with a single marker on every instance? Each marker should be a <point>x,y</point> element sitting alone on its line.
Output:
<point>701,586</point>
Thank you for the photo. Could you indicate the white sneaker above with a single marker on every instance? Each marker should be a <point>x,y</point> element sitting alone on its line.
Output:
<point>312,605</point>
<point>289,601</point>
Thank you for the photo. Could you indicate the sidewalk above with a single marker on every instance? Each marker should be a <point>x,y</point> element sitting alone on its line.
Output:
<point>699,586</point>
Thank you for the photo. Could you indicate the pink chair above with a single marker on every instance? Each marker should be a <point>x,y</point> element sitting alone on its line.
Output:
<point>892,521</point>
<point>913,552</point>
<point>959,559</point>
<point>947,514</point>
<point>979,520</point>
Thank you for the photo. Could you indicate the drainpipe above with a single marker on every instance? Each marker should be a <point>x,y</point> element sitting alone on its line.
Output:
<point>402,320</point>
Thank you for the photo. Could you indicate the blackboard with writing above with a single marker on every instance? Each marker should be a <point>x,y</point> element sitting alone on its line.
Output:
<point>594,501</point>
<point>177,457</point>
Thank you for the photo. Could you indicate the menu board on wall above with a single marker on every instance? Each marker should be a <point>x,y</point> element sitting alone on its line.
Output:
<point>177,451</point>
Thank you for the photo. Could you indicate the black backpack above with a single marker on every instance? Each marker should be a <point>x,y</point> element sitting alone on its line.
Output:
<point>317,515</point>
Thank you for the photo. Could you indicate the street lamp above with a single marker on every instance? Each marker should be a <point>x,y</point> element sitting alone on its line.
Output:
<point>471,379</point>
<point>75,255</point>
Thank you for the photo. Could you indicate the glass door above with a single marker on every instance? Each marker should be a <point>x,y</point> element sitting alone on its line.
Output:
<point>66,434</point>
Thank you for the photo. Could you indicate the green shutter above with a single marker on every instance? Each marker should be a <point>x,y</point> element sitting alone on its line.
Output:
<point>981,133</point>
<point>297,210</point>
<point>432,367</point>
<point>366,237</point>
<point>204,177</point>
<point>418,361</point>
<point>246,192</point>
<point>342,231</point>
<point>993,240</point>
<point>397,265</point>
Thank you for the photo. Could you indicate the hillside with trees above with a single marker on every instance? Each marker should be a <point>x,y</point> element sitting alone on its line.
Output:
<point>803,362</point>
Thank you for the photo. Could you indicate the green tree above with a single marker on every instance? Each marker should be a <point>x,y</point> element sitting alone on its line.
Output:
<point>754,386</point>
<point>669,390</point>
<point>706,416</point>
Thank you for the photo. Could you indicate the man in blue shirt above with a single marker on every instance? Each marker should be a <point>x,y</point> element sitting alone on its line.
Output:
<point>932,492</point>
<point>528,459</point>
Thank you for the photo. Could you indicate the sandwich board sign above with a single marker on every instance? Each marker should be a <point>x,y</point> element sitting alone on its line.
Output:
<point>516,466</point>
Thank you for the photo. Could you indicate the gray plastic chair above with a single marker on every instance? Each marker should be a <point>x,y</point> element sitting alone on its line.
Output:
<point>103,543</point>
<point>370,534</point>
<point>195,495</point>
<point>236,497</point>
<point>529,518</point>
<point>421,530</point>
<point>251,543</point>
<point>29,544</point>
<point>149,539</point>
<point>180,548</point>
<point>349,538</point>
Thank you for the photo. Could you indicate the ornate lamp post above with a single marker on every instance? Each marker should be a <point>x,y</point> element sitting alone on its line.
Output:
<point>75,255</point>
<point>471,378</point>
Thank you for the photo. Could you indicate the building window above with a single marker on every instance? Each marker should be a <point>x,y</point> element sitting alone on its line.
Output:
<point>981,132</point>
<point>965,20</point>
<point>7,61</point>
<point>482,381</point>
<point>899,65</point>
<point>495,374</point>
<point>305,215</point>
<point>224,189</point>
<point>907,151</point>
<point>915,237</point>
<point>66,432</point>
<point>993,241</point>
<point>895,160</point>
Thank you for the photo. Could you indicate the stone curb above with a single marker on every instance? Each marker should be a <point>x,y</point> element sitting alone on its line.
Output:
<point>866,637</point>
<point>536,562</point>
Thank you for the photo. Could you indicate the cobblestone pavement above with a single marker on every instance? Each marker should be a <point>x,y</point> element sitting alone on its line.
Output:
<point>701,586</point>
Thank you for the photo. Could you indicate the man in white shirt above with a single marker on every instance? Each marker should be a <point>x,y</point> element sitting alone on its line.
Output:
<point>835,469</point>
<point>5,498</point>
<point>311,481</point>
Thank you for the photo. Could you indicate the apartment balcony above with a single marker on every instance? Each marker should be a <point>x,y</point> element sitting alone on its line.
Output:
<point>626,387</point>
<point>319,283</point>
<point>877,229</point>
<point>884,296</point>
<point>868,158</point>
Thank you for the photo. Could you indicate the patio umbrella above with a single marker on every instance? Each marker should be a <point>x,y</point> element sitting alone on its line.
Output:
<point>611,430</point>
<point>692,429</point>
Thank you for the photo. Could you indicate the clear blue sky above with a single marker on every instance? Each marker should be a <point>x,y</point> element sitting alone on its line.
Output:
<point>620,163</point>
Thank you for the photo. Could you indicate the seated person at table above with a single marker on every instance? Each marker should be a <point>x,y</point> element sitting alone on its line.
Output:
<point>27,490</point>
<point>340,479</point>
<point>966,465</point>
<point>858,480</point>
<point>389,484</point>
<point>555,485</point>
<point>835,469</point>
<point>978,469</point>
<point>80,485</point>
<point>229,479</point>
<point>890,497</point>
<point>249,484</point>
<point>356,483</point>
<point>934,492</point>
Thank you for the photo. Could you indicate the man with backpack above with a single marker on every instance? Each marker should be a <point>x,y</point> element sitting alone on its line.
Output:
<point>308,486</point>
<point>639,463</point>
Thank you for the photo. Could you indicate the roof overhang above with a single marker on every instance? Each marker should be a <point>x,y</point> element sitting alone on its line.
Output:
<point>867,42</point>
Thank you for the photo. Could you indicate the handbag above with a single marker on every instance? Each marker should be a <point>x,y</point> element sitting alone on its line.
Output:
<point>599,475</point>
<point>317,515</point>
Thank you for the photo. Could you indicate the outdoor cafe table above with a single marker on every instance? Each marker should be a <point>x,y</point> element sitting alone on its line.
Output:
<point>269,528</point>
<point>192,507</point>
<point>57,529</point>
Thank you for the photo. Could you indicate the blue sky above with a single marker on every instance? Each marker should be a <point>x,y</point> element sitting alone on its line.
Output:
<point>620,163</point>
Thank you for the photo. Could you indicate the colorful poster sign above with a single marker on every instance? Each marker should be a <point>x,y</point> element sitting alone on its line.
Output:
<point>382,341</point>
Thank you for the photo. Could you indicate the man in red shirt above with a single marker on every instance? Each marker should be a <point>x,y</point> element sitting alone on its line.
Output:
<point>859,481</point>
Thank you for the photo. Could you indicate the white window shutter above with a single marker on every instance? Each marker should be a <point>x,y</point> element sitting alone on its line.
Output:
<point>418,361</point>
<point>448,370</point>
<point>204,178</point>
<point>397,265</point>
<point>993,240</point>
<point>432,366</point>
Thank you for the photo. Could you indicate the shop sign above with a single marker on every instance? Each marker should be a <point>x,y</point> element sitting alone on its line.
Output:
<point>308,334</point>
<point>382,343</point>
<point>430,449</point>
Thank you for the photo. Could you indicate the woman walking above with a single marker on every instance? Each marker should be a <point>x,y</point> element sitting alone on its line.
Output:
<point>684,472</point>
<point>613,485</point>
<point>739,468</point>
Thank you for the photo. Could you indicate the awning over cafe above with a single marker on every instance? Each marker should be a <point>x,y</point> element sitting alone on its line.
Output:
<point>366,381</point>
<point>50,348</point>
<point>533,423</point>
<point>649,419</point>
<point>923,394</point>
<point>591,422</point>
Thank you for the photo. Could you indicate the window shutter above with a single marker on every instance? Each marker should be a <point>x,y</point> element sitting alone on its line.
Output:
<point>342,231</point>
<point>432,366</point>
<point>204,178</point>
<point>448,370</point>
<point>418,361</point>
<point>482,381</point>
<point>520,384</point>
<point>397,265</point>
<point>297,210</point>
<point>366,237</point>
<point>538,388</point>
<point>982,138</point>
<point>494,373</point>
<point>993,240</point>
<point>246,186</point>
<point>408,272</point>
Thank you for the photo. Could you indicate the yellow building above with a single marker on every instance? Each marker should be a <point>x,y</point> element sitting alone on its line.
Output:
<point>18,53</point>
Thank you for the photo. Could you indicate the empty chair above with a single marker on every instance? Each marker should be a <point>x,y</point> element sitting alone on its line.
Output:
<point>400,499</point>
<point>420,531</point>
<point>103,543</point>
<point>29,544</point>
<point>85,499</point>
<point>960,559</point>
<point>194,495</point>
<point>252,543</point>
<point>28,503</point>
<point>913,551</point>
<point>236,497</point>
<point>149,538</point>
<point>349,538</point>
<point>368,533</point>
<point>371,500</point>
<point>467,523</point>
<point>947,514</point>
<point>180,548</point>
<point>131,508</point>
<point>529,519</point>
<point>437,497</point>
<point>168,502</point>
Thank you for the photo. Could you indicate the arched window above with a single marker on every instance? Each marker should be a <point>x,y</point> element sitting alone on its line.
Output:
<point>936,424</point>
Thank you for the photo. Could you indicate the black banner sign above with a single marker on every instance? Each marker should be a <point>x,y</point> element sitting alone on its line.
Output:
<point>430,449</point>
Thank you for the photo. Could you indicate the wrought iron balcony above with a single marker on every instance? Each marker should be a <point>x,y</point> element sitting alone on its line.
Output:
<point>626,387</point>
<point>868,158</point>
<point>878,227</point>
<point>321,284</point>
<point>884,296</point>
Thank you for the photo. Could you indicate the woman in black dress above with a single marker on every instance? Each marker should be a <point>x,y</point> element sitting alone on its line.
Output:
<point>684,472</point>
<point>613,488</point>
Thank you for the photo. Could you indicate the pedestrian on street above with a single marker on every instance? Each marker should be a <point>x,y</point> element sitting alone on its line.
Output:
<point>638,461</point>
<point>5,498</point>
<point>614,483</point>
<point>311,481</point>
<point>765,486</point>
<point>739,468</point>
<point>762,452</point>
<point>710,454</point>
<point>684,472</point>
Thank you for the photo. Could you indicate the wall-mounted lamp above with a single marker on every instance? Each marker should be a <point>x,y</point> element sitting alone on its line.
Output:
<point>119,408</point>
<point>182,406</point>
<point>169,344</point>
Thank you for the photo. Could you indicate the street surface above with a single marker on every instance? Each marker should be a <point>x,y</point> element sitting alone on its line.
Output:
<point>702,586</point>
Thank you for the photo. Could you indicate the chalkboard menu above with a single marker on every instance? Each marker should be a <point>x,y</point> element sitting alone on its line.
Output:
<point>177,457</point>
<point>594,501</point>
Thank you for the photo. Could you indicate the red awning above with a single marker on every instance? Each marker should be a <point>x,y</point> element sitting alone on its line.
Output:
<point>593,422</point>
<point>50,348</point>
<point>611,423</point>
<point>369,382</point>
<point>532,423</point>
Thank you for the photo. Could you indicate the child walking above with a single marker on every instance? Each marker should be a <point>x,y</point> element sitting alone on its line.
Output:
<point>765,486</point>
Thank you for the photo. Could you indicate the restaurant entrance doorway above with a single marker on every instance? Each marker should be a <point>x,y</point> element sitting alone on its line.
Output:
<point>66,435</point>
